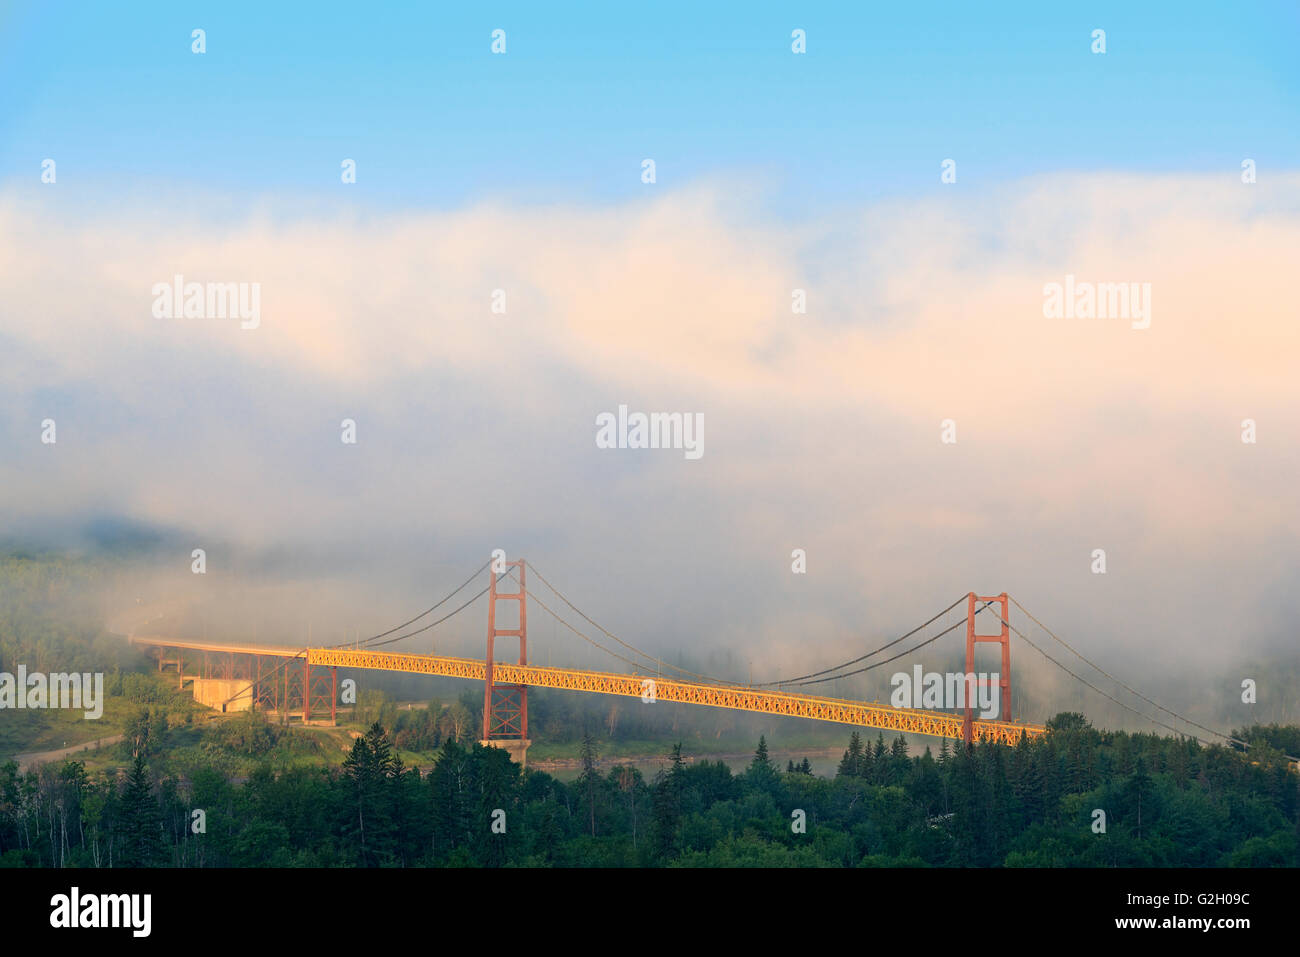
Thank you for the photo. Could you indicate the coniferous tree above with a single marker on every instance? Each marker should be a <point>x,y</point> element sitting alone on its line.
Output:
<point>496,784</point>
<point>1138,790</point>
<point>851,763</point>
<point>668,805</point>
<point>879,764</point>
<point>899,763</point>
<point>450,796</point>
<point>761,775</point>
<point>140,820</point>
<point>588,777</point>
<point>370,769</point>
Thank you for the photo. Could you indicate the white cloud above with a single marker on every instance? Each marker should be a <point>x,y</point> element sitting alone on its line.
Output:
<point>822,429</point>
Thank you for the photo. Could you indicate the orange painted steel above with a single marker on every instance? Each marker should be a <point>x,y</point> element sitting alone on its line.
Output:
<point>505,704</point>
<point>939,724</point>
<point>1004,678</point>
<point>842,711</point>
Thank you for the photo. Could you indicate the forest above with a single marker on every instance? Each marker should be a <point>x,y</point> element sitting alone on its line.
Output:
<point>1163,802</point>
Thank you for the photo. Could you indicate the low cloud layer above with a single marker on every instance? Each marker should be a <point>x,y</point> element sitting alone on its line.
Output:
<point>822,430</point>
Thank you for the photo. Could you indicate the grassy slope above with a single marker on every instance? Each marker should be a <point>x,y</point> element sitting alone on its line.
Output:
<point>23,731</point>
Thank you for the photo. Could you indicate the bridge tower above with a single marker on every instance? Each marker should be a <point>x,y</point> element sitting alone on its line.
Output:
<point>1004,677</point>
<point>505,706</point>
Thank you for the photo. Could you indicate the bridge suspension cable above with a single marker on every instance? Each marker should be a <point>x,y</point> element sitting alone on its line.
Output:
<point>436,605</point>
<point>370,643</point>
<point>1174,714</point>
<point>926,624</point>
<point>366,642</point>
<point>1085,681</point>
<point>658,661</point>
<point>953,627</point>
<point>595,644</point>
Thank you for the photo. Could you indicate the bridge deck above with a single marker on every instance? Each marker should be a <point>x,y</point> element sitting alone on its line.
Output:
<point>273,651</point>
<point>737,697</point>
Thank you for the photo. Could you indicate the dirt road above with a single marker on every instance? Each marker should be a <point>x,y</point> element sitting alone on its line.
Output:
<point>41,757</point>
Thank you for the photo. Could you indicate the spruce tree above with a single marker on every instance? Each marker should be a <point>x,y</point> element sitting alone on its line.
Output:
<point>140,820</point>
<point>668,805</point>
<point>761,775</point>
<point>851,763</point>
<point>879,763</point>
<point>371,770</point>
<point>588,777</point>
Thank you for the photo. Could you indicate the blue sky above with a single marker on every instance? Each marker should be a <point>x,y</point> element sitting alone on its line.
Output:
<point>412,93</point>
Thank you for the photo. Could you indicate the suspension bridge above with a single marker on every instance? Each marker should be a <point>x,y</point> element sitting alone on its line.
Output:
<point>303,681</point>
